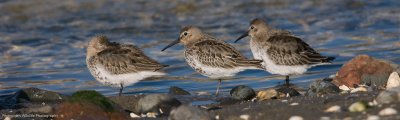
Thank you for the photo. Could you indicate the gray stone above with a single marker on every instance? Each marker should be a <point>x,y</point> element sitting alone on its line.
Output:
<point>288,91</point>
<point>375,79</point>
<point>242,92</point>
<point>173,90</point>
<point>30,95</point>
<point>389,96</point>
<point>185,112</point>
<point>157,103</point>
<point>320,87</point>
<point>38,95</point>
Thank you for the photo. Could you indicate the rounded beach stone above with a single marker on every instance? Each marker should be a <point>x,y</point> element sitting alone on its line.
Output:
<point>242,92</point>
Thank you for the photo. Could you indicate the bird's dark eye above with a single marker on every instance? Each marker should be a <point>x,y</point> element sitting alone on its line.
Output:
<point>185,33</point>
<point>251,27</point>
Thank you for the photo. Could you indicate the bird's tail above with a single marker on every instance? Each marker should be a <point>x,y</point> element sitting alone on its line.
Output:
<point>328,59</point>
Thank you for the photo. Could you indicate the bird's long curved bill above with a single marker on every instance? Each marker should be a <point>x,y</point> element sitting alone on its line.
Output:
<point>171,44</point>
<point>242,36</point>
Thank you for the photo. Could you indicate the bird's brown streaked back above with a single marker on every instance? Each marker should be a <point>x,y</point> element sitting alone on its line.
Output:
<point>212,52</point>
<point>289,50</point>
<point>119,58</point>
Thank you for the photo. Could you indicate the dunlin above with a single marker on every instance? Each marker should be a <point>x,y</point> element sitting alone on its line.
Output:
<point>281,52</point>
<point>119,65</point>
<point>212,57</point>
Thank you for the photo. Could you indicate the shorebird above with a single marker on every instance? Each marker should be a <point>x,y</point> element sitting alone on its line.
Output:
<point>119,65</point>
<point>281,52</point>
<point>212,57</point>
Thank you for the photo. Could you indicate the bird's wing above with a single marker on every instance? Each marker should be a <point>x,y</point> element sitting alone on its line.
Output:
<point>220,54</point>
<point>290,50</point>
<point>126,59</point>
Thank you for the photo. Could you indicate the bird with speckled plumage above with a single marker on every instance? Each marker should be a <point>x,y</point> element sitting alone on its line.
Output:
<point>119,65</point>
<point>281,52</point>
<point>211,57</point>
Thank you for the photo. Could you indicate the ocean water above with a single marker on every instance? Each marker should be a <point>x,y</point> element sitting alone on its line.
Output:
<point>42,43</point>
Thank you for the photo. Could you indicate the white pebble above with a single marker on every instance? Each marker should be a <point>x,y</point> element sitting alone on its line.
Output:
<point>373,117</point>
<point>373,103</point>
<point>344,88</point>
<point>133,115</point>
<point>325,118</point>
<point>151,114</point>
<point>296,118</point>
<point>335,108</point>
<point>284,100</point>
<point>7,118</point>
<point>160,111</point>
<point>244,117</point>
<point>358,107</point>
<point>294,104</point>
<point>217,117</point>
<point>393,80</point>
<point>387,111</point>
<point>359,89</point>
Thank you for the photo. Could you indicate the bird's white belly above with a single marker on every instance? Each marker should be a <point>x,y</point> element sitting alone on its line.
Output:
<point>115,80</point>
<point>260,53</point>
<point>215,72</point>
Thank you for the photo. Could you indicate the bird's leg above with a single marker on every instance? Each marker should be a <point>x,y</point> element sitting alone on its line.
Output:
<point>287,81</point>
<point>219,84</point>
<point>120,89</point>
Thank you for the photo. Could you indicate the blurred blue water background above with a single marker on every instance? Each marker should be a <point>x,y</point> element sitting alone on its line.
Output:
<point>42,42</point>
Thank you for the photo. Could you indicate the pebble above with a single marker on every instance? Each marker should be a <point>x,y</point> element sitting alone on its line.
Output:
<point>244,117</point>
<point>389,96</point>
<point>358,106</point>
<point>347,118</point>
<point>7,118</point>
<point>284,101</point>
<point>344,88</point>
<point>373,103</point>
<point>320,87</point>
<point>359,89</point>
<point>38,95</point>
<point>387,112</point>
<point>153,103</point>
<point>294,104</point>
<point>133,115</point>
<point>268,94</point>
<point>325,118</point>
<point>373,117</point>
<point>186,112</point>
<point>242,92</point>
<point>335,108</point>
<point>393,81</point>
<point>152,114</point>
<point>296,118</point>
<point>289,92</point>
